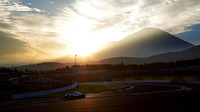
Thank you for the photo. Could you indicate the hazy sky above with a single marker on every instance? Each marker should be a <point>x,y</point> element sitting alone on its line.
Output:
<point>34,30</point>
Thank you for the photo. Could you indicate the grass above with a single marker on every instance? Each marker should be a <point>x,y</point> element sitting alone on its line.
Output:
<point>91,88</point>
<point>83,88</point>
<point>186,78</point>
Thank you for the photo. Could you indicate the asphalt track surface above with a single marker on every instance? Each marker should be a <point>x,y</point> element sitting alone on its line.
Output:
<point>139,98</point>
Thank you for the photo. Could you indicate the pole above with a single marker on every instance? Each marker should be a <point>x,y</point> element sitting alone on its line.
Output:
<point>75,58</point>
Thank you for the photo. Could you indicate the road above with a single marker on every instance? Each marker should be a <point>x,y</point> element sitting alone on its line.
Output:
<point>141,98</point>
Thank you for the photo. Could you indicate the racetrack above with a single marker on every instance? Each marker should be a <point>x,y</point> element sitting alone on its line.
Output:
<point>141,98</point>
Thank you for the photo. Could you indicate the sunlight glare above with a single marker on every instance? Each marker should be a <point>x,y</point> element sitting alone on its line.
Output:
<point>83,44</point>
<point>83,39</point>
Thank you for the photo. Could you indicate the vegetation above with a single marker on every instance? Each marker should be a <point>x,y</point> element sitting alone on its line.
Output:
<point>159,65</point>
<point>91,88</point>
<point>13,81</point>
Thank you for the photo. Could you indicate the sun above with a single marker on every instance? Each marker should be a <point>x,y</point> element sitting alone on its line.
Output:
<point>83,44</point>
<point>82,39</point>
<point>82,48</point>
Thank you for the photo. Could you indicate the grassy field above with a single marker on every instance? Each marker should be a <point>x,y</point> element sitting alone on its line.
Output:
<point>185,78</point>
<point>91,88</point>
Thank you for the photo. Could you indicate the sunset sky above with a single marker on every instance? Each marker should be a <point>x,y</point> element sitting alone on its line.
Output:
<point>36,30</point>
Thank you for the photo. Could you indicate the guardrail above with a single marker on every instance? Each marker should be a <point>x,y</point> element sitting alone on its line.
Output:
<point>39,93</point>
<point>133,81</point>
<point>146,81</point>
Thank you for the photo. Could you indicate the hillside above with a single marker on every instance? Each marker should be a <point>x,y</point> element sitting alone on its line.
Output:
<point>192,53</point>
<point>43,66</point>
<point>145,43</point>
<point>146,46</point>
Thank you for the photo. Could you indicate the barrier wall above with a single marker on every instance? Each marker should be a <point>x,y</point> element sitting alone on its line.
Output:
<point>179,78</point>
<point>39,93</point>
<point>145,81</point>
<point>134,81</point>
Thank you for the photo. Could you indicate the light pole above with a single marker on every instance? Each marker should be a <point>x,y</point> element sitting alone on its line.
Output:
<point>75,58</point>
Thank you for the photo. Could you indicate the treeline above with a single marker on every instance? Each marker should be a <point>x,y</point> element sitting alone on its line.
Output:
<point>121,66</point>
<point>7,70</point>
<point>160,65</point>
<point>6,73</point>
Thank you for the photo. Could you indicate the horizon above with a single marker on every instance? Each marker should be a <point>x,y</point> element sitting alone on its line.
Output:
<point>33,31</point>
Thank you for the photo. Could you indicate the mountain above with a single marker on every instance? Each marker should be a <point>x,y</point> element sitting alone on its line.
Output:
<point>118,60</point>
<point>43,66</point>
<point>191,53</point>
<point>188,54</point>
<point>145,43</point>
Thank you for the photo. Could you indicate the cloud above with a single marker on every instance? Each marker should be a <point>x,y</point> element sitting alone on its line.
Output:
<point>10,45</point>
<point>38,34</point>
<point>10,7</point>
<point>25,34</point>
<point>32,28</point>
<point>14,51</point>
<point>5,26</point>
<point>30,19</point>
<point>55,47</point>
<point>111,20</point>
<point>51,2</point>
<point>129,16</point>
<point>14,5</point>
<point>194,27</point>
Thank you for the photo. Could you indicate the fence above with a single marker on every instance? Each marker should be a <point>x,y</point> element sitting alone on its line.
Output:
<point>39,93</point>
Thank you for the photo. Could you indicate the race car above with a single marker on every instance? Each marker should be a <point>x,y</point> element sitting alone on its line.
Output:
<point>74,95</point>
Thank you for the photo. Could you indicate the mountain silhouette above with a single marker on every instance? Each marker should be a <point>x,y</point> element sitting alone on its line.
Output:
<point>145,43</point>
<point>192,53</point>
<point>189,54</point>
<point>146,46</point>
<point>46,66</point>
